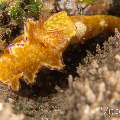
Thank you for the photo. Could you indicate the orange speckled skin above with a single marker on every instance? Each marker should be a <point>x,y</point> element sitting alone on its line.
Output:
<point>96,24</point>
<point>43,43</point>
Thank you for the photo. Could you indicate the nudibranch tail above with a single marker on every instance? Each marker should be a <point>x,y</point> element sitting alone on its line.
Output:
<point>88,27</point>
<point>43,44</point>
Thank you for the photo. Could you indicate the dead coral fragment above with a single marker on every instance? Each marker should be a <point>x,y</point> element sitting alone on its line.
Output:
<point>44,42</point>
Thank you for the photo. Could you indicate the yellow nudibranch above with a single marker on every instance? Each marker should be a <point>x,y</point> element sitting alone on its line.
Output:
<point>43,43</point>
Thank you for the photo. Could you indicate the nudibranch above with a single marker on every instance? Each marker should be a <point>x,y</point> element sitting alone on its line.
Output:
<point>43,43</point>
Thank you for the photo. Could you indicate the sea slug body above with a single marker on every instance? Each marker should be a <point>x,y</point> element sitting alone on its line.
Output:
<point>43,43</point>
